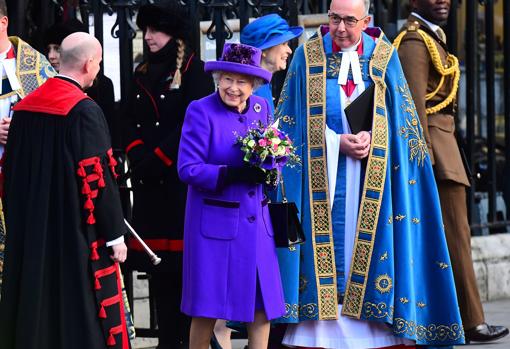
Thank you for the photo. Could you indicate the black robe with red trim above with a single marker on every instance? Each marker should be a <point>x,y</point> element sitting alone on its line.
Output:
<point>61,289</point>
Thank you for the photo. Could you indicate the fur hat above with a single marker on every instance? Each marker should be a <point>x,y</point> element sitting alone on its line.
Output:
<point>166,16</point>
<point>58,32</point>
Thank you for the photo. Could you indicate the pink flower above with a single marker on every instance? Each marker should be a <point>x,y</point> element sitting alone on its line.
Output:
<point>262,142</point>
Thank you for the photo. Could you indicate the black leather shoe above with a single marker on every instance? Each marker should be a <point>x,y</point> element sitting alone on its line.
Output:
<point>485,333</point>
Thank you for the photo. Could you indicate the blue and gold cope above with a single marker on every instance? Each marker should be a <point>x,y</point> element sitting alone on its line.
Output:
<point>400,271</point>
<point>32,69</point>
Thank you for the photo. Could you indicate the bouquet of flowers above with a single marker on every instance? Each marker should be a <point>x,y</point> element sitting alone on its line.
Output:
<point>270,149</point>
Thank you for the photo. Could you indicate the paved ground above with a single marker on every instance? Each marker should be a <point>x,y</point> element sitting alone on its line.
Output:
<point>496,312</point>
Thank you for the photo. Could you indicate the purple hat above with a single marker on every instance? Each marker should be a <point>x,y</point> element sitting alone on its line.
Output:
<point>240,59</point>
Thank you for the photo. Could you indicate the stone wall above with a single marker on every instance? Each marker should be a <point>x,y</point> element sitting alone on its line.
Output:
<point>491,258</point>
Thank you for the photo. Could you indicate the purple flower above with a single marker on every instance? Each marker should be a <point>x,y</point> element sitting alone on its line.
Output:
<point>269,163</point>
<point>239,54</point>
<point>281,161</point>
<point>255,159</point>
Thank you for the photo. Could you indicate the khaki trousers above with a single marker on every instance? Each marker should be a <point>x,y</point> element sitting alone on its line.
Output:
<point>458,237</point>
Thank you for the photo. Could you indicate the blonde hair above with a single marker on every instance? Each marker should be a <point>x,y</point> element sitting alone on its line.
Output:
<point>181,50</point>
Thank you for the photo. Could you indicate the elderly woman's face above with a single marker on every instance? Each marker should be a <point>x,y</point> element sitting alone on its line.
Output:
<point>235,89</point>
<point>275,58</point>
<point>156,39</point>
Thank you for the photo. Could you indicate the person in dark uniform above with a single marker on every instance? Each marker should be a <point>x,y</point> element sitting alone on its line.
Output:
<point>163,87</point>
<point>433,77</point>
<point>66,231</point>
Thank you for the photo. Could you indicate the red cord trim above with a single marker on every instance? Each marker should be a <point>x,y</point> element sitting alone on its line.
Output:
<point>102,273</point>
<point>95,175</point>
<point>150,97</point>
<point>189,62</point>
<point>123,325</point>
<point>94,256</point>
<point>113,331</point>
<point>157,245</point>
<point>133,144</point>
<point>112,162</point>
<point>166,160</point>
<point>107,303</point>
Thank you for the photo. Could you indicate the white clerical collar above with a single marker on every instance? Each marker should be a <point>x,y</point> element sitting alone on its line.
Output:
<point>8,69</point>
<point>431,25</point>
<point>70,78</point>
<point>4,54</point>
<point>350,60</point>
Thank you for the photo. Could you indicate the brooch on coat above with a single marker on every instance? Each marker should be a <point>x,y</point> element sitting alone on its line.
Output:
<point>257,107</point>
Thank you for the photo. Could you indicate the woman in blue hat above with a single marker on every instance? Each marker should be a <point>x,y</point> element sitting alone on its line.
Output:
<point>271,34</point>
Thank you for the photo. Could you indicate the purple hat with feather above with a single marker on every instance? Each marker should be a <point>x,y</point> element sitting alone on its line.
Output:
<point>240,59</point>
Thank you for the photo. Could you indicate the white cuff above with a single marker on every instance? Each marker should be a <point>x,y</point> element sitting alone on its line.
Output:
<point>117,241</point>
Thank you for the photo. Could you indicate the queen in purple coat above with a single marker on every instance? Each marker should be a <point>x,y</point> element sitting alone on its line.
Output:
<point>230,264</point>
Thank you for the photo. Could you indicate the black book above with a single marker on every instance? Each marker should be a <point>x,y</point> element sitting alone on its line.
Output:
<point>360,112</point>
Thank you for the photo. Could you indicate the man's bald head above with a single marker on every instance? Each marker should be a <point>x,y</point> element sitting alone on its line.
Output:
<point>355,3</point>
<point>80,55</point>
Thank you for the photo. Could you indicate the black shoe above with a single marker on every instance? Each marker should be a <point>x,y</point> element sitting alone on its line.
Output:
<point>214,342</point>
<point>485,333</point>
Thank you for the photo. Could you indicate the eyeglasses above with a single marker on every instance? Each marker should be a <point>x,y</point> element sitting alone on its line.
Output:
<point>349,21</point>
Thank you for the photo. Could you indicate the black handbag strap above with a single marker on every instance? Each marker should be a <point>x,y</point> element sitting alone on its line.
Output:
<point>282,185</point>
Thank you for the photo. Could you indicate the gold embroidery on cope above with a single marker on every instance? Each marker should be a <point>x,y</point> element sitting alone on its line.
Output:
<point>324,260</point>
<point>383,283</point>
<point>430,332</point>
<point>442,265</point>
<point>400,217</point>
<point>412,130</point>
<point>374,181</point>
<point>284,96</point>
<point>416,220</point>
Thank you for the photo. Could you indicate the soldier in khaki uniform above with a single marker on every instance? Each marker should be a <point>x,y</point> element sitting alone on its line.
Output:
<point>433,77</point>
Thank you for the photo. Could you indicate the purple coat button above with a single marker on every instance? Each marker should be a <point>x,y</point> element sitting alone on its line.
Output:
<point>251,219</point>
<point>251,193</point>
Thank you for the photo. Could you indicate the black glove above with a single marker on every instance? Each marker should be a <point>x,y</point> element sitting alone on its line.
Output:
<point>245,174</point>
<point>150,167</point>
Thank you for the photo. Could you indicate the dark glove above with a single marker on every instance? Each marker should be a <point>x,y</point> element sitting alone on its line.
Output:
<point>245,174</point>
<point>150,167</point>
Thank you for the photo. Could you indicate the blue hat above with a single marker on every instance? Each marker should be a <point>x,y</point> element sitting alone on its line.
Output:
<point>269,31</point>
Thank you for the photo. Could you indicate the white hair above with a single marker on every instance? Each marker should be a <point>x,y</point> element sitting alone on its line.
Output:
<point>367,7</point>
<point>257,82</point>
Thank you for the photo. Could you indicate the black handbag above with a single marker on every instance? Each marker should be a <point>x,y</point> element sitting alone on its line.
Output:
<point>286,225</point>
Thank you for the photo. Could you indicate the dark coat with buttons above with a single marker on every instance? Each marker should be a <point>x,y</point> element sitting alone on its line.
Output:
<point>152,132</point>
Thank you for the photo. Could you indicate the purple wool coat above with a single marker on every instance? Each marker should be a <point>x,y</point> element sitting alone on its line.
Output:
<point>228,237</point>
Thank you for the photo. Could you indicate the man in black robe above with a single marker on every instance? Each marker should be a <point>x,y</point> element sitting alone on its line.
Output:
<point>62,280</point>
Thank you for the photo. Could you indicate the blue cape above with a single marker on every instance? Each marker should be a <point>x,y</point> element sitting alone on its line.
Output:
<point>400,272</point>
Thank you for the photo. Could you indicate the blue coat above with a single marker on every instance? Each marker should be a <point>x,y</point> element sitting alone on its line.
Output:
<point>228,237</point>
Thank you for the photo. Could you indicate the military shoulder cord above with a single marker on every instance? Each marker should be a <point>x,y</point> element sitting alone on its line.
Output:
<point>451,68</point>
